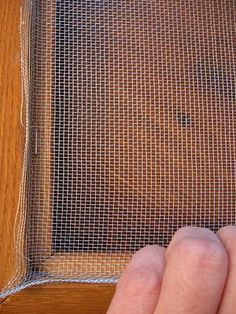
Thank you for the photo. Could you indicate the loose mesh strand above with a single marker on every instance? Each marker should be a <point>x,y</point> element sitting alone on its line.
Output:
<point>130,131</point>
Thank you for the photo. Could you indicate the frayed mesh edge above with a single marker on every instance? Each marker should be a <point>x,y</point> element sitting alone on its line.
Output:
<point>20,219</point>
<point>33,282</point>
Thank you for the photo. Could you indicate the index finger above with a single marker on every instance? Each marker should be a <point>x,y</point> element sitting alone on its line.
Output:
<point>139,286</point>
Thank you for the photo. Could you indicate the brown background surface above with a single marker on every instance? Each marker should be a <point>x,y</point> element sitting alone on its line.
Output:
<point>51,298</point>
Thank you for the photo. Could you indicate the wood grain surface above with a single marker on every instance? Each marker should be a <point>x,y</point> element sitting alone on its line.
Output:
<point>51,298</point>
<point>69,298</point>
<point>11,132</point>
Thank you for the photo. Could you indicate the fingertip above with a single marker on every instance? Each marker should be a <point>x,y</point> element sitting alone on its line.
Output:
<point>197,264</point>
<point>151,255</point>
<point>139,286</point>
<point>192,236</point>
<point>227,235</point>
<point>145,271</point>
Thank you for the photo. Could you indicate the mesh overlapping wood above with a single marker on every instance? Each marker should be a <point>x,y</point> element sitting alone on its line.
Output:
<point>131,114</point>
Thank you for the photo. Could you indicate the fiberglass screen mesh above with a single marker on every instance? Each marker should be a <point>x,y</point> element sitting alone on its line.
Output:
<point>131,127</point>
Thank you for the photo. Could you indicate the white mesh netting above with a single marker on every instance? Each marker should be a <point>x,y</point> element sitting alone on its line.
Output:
<point>131,127</point>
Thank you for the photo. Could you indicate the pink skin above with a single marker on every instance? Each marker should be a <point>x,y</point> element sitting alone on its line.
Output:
<point>196,274</point>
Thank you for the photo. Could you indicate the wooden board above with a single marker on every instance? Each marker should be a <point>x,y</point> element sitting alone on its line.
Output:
<point>71,298</point>
<point>11,132</point>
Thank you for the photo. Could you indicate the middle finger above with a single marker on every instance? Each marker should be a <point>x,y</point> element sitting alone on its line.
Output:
<point>195,274</point>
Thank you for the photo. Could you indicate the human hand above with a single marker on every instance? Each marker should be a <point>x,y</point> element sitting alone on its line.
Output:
<point>195,274</point>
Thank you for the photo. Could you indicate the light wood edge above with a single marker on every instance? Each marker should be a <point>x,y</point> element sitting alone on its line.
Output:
<point>86,265</point>
<point>43,225</point>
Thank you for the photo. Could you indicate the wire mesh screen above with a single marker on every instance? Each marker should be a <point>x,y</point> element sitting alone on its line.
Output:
<point>131,126</point>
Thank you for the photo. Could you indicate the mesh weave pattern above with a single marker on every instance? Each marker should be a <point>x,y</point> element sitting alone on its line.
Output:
<point>132,115</point>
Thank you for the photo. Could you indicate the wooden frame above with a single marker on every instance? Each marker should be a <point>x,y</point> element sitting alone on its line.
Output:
<point>59,298</point>
<point>181,164</point>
